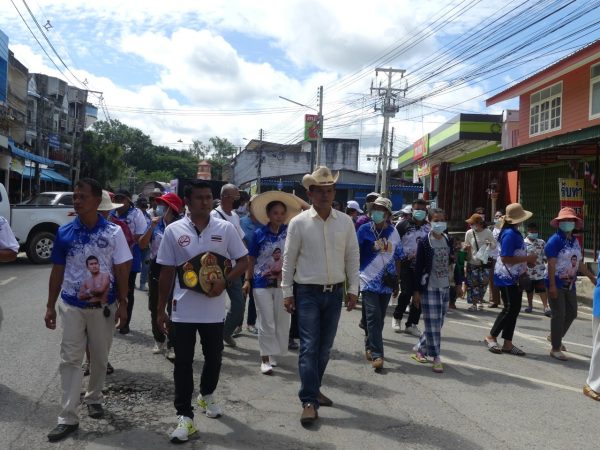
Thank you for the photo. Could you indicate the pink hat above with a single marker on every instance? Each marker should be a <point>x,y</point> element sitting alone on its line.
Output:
<point>567,214</point>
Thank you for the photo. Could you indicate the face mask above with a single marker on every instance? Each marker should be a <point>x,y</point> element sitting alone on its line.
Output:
<point>532,235</point>
<point>378,216</point>
<point>236,203</point>
<point>419,215</point>
<point>438,227</point>
<point>496,220</point>
<point>567,227</point>
<point>160,210</point>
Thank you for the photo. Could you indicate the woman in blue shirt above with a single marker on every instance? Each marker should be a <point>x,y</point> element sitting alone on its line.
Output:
<point>274,209</point>
<point>511,263</point>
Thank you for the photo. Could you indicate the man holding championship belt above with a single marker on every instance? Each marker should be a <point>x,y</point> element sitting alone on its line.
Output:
<point>196,250</point>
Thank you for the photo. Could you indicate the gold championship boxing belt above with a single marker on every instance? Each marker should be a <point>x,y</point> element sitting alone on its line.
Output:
<point>198,273</point>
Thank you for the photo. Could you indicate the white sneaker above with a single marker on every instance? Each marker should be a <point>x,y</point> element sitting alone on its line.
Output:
<point>185,428</point>
<point>159,347</point>
<point>266,368</point>
<point>273,361</point>
<point>170,354</point>
<point>209,406</point>
<point>396,325</point>
<point>413,330</point>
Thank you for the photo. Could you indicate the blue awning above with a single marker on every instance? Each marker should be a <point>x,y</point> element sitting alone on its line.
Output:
<point>28,155</point>
<point>45,175</point>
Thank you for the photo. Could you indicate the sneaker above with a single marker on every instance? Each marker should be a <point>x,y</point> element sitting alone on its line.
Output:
<point>528,310</point>
<point>252,329</point>
<point>413,330</point>
<point>472,308</point>
<point>170,354</point>
<point>159,347</point>
<point>547,312</point>
<point>125,330</point>
<point>185,428</point>
<point>208,406</point>
<point>230,341</point>
<point>143,287</point>
<point>559,355</point>
<point>61,431</point>
<point>293,345</point>
<point>86,368</point>
<point>95,410</point>
<point>237,331</point>
<point>266,368</point>
<point>562,347</point>
<point>309,414</point>
<point>377,363</point>
<point>109,369</point>
<point>396,325</point>
<point>273,361</point>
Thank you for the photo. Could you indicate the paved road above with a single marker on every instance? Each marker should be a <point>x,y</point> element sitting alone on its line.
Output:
<point>481,401</point>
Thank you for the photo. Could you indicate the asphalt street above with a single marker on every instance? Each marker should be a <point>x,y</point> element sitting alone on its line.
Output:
<point>482,400</point>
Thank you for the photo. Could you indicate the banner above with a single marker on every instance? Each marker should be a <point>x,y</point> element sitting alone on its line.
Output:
<point>571,195</point>
<point>423,169</point>
<point>311,127</point>
<point>421,148</point>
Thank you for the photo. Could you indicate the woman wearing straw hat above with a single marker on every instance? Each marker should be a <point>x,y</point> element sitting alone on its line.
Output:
<point>511,263</point>
<point>565,259</point>
<point>273,209</point>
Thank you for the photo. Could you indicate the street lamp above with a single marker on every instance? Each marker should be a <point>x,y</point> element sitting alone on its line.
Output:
<point>319,124</point>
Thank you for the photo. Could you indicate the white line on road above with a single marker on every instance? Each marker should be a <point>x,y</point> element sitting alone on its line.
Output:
<point>8,280</point>
<point>453,363</point>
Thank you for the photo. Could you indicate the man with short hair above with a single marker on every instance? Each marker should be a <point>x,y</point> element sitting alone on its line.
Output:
<point>321,253</point>
<point>9,246</point>
<point>137,224</point>
<point>411,231</point>
<point>195,249</point>
<point>85,321</point>
<point>230,201</point>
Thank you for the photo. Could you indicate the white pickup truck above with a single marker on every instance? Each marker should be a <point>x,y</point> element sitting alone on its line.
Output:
<point>35,226</point>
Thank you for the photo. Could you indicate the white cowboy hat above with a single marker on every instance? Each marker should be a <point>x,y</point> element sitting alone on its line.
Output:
<point>322,176</point>
<point>106,204</point>
<point>258,206</point>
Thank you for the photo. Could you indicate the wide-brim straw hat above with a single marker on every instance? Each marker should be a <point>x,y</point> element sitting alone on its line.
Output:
<point>322,176</point>
<point>567,214</point>
<point>515,214</point>
<point>106,204</point>
<point>258,206</point>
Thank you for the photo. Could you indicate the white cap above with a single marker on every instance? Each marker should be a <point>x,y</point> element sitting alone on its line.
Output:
<point>407,209</point>
<point>353,204</point>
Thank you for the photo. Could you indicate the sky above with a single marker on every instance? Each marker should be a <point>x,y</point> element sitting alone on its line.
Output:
<point>185,70</point>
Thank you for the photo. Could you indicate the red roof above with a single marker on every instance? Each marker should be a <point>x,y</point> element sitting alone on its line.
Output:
<point>567,64</point>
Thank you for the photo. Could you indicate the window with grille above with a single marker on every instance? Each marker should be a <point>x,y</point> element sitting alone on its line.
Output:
<point>545,110</point>
<point>595,92</point>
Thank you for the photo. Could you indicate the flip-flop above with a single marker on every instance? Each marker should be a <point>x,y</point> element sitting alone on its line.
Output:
<point>492,346</point>
<point>588,391</point>
<point>419,357</point>
<point>514,351</point>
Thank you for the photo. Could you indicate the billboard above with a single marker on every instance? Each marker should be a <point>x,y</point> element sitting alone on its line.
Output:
<point>311,127</point>
<point>571,195</point>
<point>421,148</point>
<point>3,67</point>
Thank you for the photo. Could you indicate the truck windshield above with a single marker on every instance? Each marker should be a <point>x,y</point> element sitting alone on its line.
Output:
<point>41,200</point>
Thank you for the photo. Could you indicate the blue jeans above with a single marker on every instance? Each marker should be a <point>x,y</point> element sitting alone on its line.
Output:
<point>375,306</point>
<point>235,315</point>
<point>145,266</point>
<point>318,317</point>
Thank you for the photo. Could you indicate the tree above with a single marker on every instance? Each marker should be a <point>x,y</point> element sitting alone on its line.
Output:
<point>100,160</point>
<point>221,154</point>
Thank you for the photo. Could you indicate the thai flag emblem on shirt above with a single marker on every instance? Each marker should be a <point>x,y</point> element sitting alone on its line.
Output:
<point>216,238</point>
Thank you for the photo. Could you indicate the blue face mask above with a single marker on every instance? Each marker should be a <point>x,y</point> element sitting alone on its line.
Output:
<point>419,215</point>
<point>377,216</point>
<point>532,235</point>
<point>567,227</point>
<point>439,227</point>
<point>160,210</point>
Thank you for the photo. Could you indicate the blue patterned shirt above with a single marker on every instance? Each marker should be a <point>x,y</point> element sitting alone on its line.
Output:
<point>379,252</point>
<point>267,250</point>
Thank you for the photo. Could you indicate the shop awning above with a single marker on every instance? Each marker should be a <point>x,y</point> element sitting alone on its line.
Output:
<point>28,155</point>
<point>580,143</point>
<point>56,177</point>
<point>45,175</point>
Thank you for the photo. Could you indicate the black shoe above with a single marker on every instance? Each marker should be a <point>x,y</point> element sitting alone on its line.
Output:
<point>86,368</point>
<point>293,345</point>
<point>95,410</point>
<point>109,369</point>
<point>124,330</point>
<point>61,431</point>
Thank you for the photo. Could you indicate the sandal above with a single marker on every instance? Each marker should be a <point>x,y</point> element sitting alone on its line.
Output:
<point>419,357</point>
<point>514,350</point>
<point>472,308</point>
<point>558,355</point>
<point>588,391</point>
<point>492,346</point>
<point>438,367</point>
<point>562,347</point>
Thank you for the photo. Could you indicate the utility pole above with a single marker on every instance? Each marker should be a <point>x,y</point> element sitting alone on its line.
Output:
<point>388,109</point>
<point>390,157</point>
<point>320,127</point>
<point>259,171</point>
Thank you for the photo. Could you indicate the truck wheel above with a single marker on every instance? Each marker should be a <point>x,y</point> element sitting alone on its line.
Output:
<point>40,247</point>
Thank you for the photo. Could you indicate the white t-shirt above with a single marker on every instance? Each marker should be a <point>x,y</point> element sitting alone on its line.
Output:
<point>232,218</point>
<point>181,243</point>
<point>7,237</point>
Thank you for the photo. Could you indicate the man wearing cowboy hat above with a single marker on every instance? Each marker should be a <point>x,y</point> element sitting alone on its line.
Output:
<point>321,253</point>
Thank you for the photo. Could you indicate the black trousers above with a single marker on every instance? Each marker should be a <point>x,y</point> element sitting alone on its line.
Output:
<point>407,287</point>
<point>507,319</point>
<point>153,275</point>
<point>130,297</point>
<point>184,340</point>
